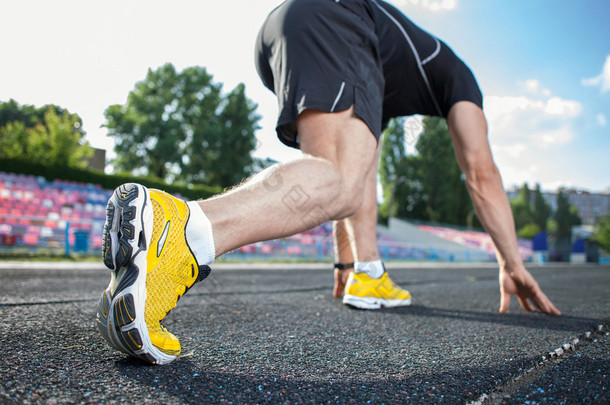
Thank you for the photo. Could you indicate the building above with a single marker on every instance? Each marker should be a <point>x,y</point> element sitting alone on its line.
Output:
<point>590,206</point>
<point>97,161</point>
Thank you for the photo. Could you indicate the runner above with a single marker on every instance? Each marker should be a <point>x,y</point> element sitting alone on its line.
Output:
<point>340,69</point>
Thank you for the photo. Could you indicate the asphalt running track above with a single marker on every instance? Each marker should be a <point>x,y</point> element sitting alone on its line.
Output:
<point>273,334</point>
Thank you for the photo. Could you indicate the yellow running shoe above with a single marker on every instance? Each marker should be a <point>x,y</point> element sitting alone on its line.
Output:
<point>144,244</point>
<point>365,292</point>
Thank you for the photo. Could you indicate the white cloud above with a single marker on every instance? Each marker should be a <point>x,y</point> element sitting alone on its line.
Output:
<point>558,106</point>
<point>517,175</point>
<point>602,80</point>
<point>533,86</point>
<point>601,120</point>
<point>529,129</point>
<point>501,108</point>
<point>518,123</point>
<point>498,108</point>
<point>515,150</point>
<point>557,136</point>
<point>432,5</point>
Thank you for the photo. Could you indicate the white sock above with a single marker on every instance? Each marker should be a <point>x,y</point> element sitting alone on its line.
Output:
<point>374,269</point>
<point>199,235</point>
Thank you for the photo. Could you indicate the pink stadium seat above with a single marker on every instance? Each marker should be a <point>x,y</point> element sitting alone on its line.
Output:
<point>10,221</point>
<point>30,239</point>
<point>50,223</point>
<point>97,242</point>
<point>247,249</point>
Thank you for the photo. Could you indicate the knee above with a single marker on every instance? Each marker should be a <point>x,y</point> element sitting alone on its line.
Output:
<point>350,207</point>
<point>349,196</point>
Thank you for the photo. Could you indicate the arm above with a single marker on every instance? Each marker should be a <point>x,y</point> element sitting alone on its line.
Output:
<point>468,129</point>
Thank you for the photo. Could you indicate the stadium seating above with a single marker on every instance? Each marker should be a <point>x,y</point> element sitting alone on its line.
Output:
<point>480,240</point>
<point>37,215</point>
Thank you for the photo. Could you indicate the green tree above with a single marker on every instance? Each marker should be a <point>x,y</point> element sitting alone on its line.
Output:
<point>446,196</point>
<point>48,135</point>
<point>14,140</point>
<point>530,217</point>
<point>30,116</point>
<point>402,195</point>
<point>522,207</point>
<point>179,126</point>
<point>225,159</point>
<point>392,153</point>
<point>542,210</point>
<point>602,233</point>
<point>58,141</point>
<point>428,185</point>
<point>559,227</point>
<point>528,231</point>
<point>565,217</point>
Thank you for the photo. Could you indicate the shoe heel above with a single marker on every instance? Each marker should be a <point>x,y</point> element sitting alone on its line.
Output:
<point>103,310</point>
<point>124,315</point>
<point>125,329</point>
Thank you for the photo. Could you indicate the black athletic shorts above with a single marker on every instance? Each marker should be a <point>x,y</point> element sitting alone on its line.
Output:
<point>331,54</point>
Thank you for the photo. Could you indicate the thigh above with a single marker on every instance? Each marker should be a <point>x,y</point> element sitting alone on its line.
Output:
<point>342,139</point>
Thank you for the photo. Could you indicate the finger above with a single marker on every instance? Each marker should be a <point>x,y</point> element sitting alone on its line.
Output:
<point>554,310</point>
<point>504,301</point>
<point>525,304</point>
<point>545,305</point>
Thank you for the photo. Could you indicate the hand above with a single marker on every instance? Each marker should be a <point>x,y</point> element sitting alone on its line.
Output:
<point>521,283</point>
<point>340,280</point>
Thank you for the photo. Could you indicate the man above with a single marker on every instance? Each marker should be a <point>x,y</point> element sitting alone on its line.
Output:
<point>340,70</point>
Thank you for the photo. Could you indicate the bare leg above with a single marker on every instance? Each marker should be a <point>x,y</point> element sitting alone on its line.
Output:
<point>355,238</point>
<point>326,184</point>
<point>343,254</point>
<point>174,239</point>
<point>363,224</point>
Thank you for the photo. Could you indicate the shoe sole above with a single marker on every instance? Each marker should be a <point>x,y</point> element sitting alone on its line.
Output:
<point>126,240</point>
<point>373,303</point>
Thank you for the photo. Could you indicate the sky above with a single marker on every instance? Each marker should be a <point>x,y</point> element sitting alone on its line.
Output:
<point>543,67</point>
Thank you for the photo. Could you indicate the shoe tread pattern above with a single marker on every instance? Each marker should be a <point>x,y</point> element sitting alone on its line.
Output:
<point>124,315</point>
<point>119,204</point>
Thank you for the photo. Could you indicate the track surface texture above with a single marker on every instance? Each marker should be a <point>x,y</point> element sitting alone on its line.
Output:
<point>255,333</point>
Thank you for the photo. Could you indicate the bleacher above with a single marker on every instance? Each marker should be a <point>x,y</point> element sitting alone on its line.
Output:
<point>37,214</point>
<point>475,239</point>
<point>42,216</point>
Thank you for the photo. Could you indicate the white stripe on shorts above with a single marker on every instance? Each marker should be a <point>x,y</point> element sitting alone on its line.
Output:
<point>332,109</point>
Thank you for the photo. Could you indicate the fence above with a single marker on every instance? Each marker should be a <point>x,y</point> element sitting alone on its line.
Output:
<point>38,235</point>
<point>41,235</point>
<point>60,217</point>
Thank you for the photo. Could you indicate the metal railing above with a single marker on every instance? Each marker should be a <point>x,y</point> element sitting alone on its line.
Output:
<point>33,235</point>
